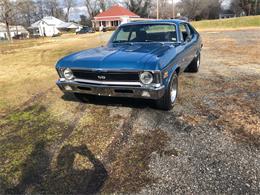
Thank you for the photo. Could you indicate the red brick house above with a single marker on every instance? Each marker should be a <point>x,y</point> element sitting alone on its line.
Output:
<point>113,17</point>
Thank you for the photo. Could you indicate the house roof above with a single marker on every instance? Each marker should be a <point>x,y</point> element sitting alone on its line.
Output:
<point>72,25</point>
<point>18,28</point>
<point>115,11</point>
<point>51,21</point>
<point>108,18</point>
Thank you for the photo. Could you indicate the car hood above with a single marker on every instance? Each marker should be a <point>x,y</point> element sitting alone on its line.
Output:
<point>143,56</point>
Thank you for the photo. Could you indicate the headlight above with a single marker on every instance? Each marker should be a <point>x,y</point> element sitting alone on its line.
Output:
<point>146,78</point>
<point>68,74</point>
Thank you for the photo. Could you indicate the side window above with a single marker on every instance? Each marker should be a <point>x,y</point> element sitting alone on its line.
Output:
<point>132,36</point>
<point>185,31</point>
<point>122,36</point>
<point>126,36</point>
<point>192,32</point>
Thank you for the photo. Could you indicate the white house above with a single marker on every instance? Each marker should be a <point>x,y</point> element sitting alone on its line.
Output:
<point>15,31</point>
<point>50,26</point>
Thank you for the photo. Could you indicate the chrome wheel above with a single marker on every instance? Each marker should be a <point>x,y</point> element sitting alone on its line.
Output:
<point>174,89</point>
<point>198,61</point>
<point>167,101</point>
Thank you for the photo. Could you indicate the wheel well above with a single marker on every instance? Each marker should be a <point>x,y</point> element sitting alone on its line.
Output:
<point>177,70</point>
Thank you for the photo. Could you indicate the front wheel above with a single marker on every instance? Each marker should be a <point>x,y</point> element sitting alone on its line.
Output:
<point>169,98</point>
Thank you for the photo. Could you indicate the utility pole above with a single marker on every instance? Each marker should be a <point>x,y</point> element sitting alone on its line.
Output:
<point>256,6</point>
<point>173,9</point>
<point>157,9</point>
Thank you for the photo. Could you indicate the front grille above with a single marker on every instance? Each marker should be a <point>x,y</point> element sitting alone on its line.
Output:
<point>106,76</point>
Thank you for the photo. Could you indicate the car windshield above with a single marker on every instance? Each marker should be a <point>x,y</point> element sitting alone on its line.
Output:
<point>146,33</point>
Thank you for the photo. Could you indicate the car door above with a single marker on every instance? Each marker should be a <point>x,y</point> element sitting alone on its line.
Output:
<point>187,41</point>
<point>195,42</point>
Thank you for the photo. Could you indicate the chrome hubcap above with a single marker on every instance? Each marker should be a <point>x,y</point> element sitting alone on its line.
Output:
<point>173,95</point>
<point>173,92</point>
<point>198,62</point>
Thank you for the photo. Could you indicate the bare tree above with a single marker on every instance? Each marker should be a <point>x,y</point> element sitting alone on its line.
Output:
<point>104,4</point>
<point>246,5</point>
<point>52,8</point>
<point>84,20</point>
<point>249,7</point>
<point>211,10</point>
<point>191,8</point>
<point>6,15</point>
<point>40,9</point>
<point>235,7</point>
<point>200,9</point>
<point>92,7</point>
<point>68,4</point>
<point>26,12</point>
<point>165,8</point>
<point>140,7</point>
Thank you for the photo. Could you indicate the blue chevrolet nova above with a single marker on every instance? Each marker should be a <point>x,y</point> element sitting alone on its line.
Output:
<point>142,60</point>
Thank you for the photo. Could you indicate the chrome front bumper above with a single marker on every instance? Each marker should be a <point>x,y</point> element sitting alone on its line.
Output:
<point>111,90</point>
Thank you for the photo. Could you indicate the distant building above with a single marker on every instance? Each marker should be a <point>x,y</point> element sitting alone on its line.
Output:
<point>113,17</point>
<point>15,31</point>
<point>226,14</point>
<point>50,26</point>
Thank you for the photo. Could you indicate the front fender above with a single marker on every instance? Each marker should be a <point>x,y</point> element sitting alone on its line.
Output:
<point>170,70</point>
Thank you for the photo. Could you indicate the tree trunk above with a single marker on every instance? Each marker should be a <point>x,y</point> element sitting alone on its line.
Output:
<point>67,15</point>
<point>9,37</point>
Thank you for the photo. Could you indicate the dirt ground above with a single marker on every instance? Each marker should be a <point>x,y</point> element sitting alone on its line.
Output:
<point>209,143</point>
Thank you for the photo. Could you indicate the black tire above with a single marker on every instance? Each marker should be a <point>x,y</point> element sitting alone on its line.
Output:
<point>167,102</point>
<point>194,65</point>
<point>82,97</point>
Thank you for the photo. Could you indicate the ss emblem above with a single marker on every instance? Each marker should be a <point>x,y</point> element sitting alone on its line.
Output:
<point>101,77</point>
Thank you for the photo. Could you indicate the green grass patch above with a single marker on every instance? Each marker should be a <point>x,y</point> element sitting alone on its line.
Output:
<point>24,130</point>
<point>241,22</point>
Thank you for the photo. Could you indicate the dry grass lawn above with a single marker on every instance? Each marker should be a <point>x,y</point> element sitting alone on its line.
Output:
<point>28,66</point>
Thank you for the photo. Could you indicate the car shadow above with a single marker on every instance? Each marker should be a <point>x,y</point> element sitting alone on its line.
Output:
<point>39,177</point>
<point>111,101</point>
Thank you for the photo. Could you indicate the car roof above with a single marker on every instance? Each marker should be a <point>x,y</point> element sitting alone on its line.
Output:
<point>140,22</point>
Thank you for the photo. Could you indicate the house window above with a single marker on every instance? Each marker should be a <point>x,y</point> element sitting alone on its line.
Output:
<point>114,23</point>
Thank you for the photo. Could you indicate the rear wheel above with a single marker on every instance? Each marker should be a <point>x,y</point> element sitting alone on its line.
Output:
<point>169,98</point>
<point>194,65</point>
